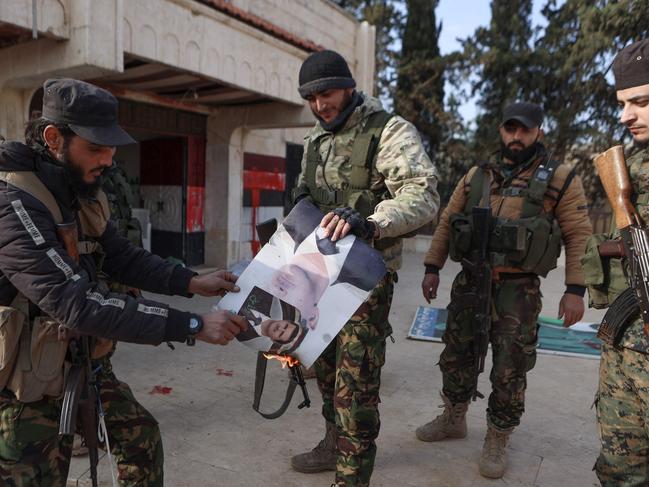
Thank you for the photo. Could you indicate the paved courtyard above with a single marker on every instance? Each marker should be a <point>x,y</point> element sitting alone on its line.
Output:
<point>212,437</point>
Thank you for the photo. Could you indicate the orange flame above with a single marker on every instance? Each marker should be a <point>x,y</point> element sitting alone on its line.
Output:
<point>283,359</point>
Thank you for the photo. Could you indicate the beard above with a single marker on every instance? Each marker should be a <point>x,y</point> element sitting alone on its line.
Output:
<point>349,102</point>
<point>519,156</point>
<point>75,177</point>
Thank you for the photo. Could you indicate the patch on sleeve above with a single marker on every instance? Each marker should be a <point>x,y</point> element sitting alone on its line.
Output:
<point>27,222</point>
<point>60,263</point>
<point>153,310</point>
<point>97,297</point>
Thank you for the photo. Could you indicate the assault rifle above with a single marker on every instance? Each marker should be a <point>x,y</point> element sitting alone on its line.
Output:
<point>479,272</point>
<point>80,395</point>
<point>614,175</point>
<point>80,399</point>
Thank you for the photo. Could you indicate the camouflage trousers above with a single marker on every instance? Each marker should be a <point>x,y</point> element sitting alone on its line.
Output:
<point>32,453</point>
<point>623,417</point>
<point>349,377</point>
<point>516,304</point>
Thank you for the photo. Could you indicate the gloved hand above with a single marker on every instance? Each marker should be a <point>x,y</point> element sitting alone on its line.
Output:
<point>341,221</point>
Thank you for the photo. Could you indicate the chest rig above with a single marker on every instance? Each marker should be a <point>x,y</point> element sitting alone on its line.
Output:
<point>33,349</point>
<point>357,194</point>
<point>529,243</point>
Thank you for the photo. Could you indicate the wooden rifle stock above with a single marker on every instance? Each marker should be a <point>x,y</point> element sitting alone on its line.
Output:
<point>612,170</point>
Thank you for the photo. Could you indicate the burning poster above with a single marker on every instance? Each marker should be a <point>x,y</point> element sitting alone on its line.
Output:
<point>301,288</point>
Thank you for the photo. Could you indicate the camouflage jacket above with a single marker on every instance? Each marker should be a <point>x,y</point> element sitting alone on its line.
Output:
<point>402,168</point>
<point>638,163</point>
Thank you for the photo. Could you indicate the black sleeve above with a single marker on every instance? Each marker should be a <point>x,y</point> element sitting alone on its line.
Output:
<point>134,266</point>
<point>37,264</point>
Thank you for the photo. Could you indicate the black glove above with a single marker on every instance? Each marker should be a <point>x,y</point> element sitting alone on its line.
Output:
<point>361,227</point>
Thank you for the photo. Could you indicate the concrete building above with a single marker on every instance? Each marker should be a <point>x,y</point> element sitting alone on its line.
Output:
<point>207,87</point>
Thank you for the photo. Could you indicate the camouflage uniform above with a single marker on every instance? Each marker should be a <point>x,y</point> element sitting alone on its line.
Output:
<point>33,453</point>
<point>623,393</point>
<point>516,304</point>
<point>349,370</point>
<point>516,296</point>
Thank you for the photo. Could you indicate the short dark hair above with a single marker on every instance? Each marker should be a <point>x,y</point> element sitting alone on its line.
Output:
<point>35,127</point>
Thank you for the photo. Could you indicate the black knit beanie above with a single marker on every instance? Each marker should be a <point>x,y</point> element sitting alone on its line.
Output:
<point>324,70</point>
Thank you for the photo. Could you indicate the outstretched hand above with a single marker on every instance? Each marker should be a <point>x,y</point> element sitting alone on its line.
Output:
<point>213,284</point>
<point>571,309</point>
<point>220,327</point>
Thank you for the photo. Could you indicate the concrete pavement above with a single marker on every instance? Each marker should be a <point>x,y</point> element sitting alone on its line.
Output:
<point>212,437</point>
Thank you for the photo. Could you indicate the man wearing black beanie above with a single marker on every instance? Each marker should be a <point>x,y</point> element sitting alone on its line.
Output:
<point>623,393</point>
<point>368,172</point>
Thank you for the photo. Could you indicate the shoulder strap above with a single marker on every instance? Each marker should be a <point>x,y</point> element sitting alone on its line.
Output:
<point>29,182</point>
<point>313,160</point>
<point>476,189</point>
<point>538,185</point>
<point>260,378</point>
<point>364,149</point>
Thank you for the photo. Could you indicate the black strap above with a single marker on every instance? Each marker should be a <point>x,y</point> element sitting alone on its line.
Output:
<point>260,378</point>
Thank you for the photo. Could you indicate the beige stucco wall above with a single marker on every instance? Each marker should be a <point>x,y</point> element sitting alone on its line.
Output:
<point>50,16</point>
<point>92,37</point>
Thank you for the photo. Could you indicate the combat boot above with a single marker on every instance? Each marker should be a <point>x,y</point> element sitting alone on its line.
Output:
<point>450,424</point>
<point>322,457</point>
<point>493,460</point>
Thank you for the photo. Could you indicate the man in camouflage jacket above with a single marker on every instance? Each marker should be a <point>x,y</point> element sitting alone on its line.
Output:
<point>521,168</point>
<point>623,392</point>
<point>368,172</point>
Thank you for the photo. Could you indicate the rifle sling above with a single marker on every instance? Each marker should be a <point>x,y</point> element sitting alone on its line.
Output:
<point>260,377</point>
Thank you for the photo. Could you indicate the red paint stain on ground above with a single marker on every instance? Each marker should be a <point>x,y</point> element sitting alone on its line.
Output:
<point>227,373</point>
<point>160,390</point>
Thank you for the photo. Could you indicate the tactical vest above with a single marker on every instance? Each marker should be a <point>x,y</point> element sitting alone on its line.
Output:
<point>33,350</point>
<point>531,243</point>
<point>358,194</point>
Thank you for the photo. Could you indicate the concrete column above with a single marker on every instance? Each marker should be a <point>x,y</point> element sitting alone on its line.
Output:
<point>365,46</point>
<point>226,131</point>
<point>13,113</point>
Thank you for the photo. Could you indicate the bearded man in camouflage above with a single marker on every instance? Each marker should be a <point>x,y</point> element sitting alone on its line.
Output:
<point>536,203</point>
<point>368,172</point>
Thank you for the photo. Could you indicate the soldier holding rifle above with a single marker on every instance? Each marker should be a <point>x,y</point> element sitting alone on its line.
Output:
<point>623,392</point>
<point>531,204</point>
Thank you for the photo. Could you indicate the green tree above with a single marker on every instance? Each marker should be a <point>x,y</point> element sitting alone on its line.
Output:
<point>572,78</point>
<point>419,95</point>
<point>496,61</point>
<point>386,16</point>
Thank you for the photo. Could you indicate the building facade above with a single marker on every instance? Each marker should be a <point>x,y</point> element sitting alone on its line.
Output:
<point>208,88</point>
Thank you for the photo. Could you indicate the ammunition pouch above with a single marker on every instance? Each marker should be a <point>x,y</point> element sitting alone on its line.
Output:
<point>460,236</point>
<point>542,245</point>
<point>39,368</point>
<point>530,244</point>
<point>604,276</point>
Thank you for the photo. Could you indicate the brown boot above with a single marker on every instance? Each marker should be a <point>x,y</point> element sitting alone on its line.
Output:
<point>450,424</point>
<point>493,460</point>
<point>322,457</point>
